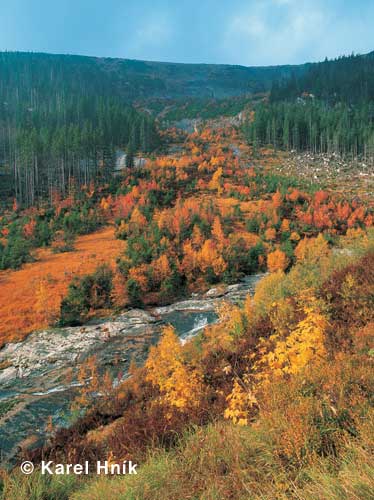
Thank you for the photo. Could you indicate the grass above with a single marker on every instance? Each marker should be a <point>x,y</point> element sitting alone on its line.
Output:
<point>25,307</point>
<point>224,461</point>
<point>353,480</point>
<point>219,462</point>
<point>37,487</point>
<point>6,406</point>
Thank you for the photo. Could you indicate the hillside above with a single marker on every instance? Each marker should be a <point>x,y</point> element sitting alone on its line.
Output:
<point>206,312</point>
<point>131,79</point>
<point>34,74</point>
<point>327,110</point>
<point>206,216</point>
<point>348,79</point>
<point>63,117</point>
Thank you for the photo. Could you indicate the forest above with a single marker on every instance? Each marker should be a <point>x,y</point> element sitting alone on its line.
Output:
<point>328,109</point>
<point>314,126</point>
<point>348,79</point>
<point>273,400</point>
<point>49,144</point>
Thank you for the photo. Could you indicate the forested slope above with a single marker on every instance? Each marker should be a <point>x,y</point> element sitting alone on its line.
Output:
<point>327,109</point>
<point>346,79</point>
<point>132,79</point>
<point>50,138</point>
<point>62,117</point>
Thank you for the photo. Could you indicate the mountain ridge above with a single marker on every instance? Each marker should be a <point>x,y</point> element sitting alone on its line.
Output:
<point>133,79</point>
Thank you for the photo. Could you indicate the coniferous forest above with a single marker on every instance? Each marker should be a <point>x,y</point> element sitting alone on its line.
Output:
<point>328,109</point>
<point>57,131</point>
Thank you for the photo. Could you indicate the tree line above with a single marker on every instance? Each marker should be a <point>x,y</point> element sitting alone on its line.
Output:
<point>55,131</point>
<point>347,79</point>
<point>326,109</point>
<point>315,126</point>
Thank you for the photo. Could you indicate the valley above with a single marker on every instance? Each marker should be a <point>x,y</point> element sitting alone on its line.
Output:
<point>40,377</point>
<point>186,277</point>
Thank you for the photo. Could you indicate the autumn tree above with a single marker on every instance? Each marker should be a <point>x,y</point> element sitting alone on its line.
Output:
<point>303,345</point>
<point>210,258</point>
<point>119,293</point>
<point>217,232</point>
<point>277,261</point>
<point>216,181</point>
<point>312,249</point>
<point>240,401</point>
<point>180,384</point>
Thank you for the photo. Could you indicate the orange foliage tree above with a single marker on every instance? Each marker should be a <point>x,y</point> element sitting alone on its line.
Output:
<point>277,261</point>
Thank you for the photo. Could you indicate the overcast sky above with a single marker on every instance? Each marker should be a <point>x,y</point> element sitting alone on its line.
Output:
<point>247,32</point>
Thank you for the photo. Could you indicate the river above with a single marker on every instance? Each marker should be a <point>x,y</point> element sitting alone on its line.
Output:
<point>38,376</point>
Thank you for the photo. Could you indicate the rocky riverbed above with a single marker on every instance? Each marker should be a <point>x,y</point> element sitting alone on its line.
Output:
<point>38,376</point>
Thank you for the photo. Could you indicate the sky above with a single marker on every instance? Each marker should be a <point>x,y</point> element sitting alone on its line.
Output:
<point>246,32</point>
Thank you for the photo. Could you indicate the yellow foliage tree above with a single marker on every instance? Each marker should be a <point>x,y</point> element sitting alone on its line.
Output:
<point>180,384</point>
<point>216,181</point>
<point>285,226</point>
<point>47,304</point>
<point>269,290</point>
<point>118,294</point>
<point>217,231</point>
<point>189,261</point>
<point>89,383</point>
<point>137,219</point>
<point>209,256</point>
<point>197,237</point>
<point>161,268</point>
<point>270,234</point>
<point>277,200</point>
<point>295,236</point>
<point>303,345</point>
<point>233,318</point>
<point>282,316</point>
<point>312,249</point>
<point>240,401</point>
<point>139,274</point>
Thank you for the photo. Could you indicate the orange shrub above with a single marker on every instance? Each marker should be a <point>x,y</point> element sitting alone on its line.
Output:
<point>277,261</point>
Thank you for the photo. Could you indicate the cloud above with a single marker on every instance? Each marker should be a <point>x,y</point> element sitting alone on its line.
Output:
<point>252,26</point>
<point>274,31</point>
<point>153,32</point>
<point>150,35</point>
<point>249,32</point>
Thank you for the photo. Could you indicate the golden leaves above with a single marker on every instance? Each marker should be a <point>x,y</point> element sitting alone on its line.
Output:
<point>216,181</point>
<point>277,261</point>
<point>179,384</point>
<point>288,354</point>
<point>240,401</point>
<point>312,249</point>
